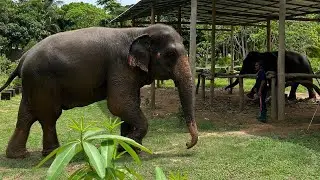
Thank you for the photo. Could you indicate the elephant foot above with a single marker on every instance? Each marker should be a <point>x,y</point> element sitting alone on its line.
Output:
<point>292,98</point>
<point>120,149</point>
<point>20,154</point>
<point>46,152</point>
<point>250,96</point>
<point>312,96</point>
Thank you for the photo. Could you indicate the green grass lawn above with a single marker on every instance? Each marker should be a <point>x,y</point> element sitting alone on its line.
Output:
<point>248,84</point>
<point>216,156</point>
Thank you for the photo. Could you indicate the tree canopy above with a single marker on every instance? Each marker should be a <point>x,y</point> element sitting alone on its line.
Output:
<point>25,22</point>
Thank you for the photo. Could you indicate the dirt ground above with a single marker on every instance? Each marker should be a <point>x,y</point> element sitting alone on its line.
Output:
<point>225,112</point>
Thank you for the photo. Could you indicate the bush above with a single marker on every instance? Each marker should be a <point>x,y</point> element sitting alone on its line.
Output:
<point>5,65</point>
<point>6,68</point>
<point>315,64</point>
<point>313,51</point>
<point>224,61</point>
<point>100,162</point>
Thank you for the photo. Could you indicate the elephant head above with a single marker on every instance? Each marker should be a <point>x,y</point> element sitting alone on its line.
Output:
<point>159,52</point>
<point>248,66</point>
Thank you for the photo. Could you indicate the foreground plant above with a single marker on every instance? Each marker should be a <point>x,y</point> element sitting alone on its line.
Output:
<point>100,161</point>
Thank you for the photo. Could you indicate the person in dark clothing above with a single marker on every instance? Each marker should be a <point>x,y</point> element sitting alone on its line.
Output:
<point>261,88</point>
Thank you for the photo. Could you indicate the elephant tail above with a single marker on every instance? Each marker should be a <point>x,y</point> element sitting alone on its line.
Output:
<point>10,79</point>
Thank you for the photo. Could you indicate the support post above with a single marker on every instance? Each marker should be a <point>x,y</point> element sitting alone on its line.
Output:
<point>241,94</point>
<point>274,112</point>
<point>213,50</point>
<point>268,35</point>
<point>232,58</point>
<point>203,82</point>
<point>158,81</point>
<point>133,22</point>
<point>193,44</point>
<point>153,88</point>
<point>281,61</point>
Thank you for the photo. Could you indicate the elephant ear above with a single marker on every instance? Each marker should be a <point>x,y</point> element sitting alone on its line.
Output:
<point>139,53</point>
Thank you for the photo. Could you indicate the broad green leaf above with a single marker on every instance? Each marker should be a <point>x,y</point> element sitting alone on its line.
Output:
<point>159,174</point>
<point>121,174</point>
<point>75,128</point>
<point>61,148</point>
<point>107,150</point>
<point>133,173</point>
<point>120,138</point>
<point>81,124</point>
<point>111,174</point>
<point>75,125</point>
<point>130,151</point>
<point>80,173</point>
<point>95,158</point>
<point>91,133</point>
<point>62,159</point>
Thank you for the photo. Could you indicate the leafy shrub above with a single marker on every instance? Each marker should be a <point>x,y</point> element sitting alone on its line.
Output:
<point>315,64</point>
<point>100,162</point>
<point>6,68</point>
<point>313,51</point>
<point>224,61</point>
<point>5,65</point>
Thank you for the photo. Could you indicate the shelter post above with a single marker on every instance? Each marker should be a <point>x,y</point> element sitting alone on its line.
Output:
<point>274,112</point>
<point>213,50</point>
<point>158,81</point>
<point>232,57</point>
<point>281,61</point>
<point>193,43</point>
<point>153,88</point>
<point>241,94</point>
<point>268,35</point>
<point>133,22</point>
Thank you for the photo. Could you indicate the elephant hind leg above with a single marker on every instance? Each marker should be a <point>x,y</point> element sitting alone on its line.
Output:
<point>310,86</point>
<point>17,145</point>
<point>48,118</point>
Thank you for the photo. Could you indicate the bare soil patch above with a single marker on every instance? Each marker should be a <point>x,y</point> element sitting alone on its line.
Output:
<point>225,112</point>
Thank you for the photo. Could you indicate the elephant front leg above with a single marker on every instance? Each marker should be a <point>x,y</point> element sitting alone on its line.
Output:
<point>17,145</point>
<point>292,95</point>
<point>135,125</point>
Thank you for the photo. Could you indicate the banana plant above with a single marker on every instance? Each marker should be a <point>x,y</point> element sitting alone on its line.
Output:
<point>100,160</point>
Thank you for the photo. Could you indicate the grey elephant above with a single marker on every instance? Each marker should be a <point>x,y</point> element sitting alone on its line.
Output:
<point>80,67</point>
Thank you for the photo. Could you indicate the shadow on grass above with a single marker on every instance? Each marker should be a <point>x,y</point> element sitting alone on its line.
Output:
<point>22,163</point>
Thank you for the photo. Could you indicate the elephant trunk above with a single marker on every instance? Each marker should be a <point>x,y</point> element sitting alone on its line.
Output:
<point>236,82</point>
<point>184,81</point>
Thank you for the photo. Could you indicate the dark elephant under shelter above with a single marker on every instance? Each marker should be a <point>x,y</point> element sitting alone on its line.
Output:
<point>80,67</point>
<point>294,63</point>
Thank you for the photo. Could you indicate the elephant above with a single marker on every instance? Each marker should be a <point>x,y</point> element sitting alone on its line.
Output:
<point>80,67</point>
<point>294,63</point>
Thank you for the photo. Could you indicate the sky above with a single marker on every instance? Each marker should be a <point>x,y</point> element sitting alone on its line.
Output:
<point>123,2</point>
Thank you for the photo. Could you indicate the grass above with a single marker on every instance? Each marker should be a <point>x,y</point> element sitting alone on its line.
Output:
<point>248,84</point>
<point>215,156</point>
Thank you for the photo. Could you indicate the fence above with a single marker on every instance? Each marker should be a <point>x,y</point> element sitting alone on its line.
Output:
<point>203,75</point>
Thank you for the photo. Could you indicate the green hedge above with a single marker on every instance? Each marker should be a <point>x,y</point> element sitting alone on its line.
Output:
<point>6,68</point>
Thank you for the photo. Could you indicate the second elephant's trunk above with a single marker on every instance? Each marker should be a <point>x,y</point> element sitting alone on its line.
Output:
<point>184,82</point>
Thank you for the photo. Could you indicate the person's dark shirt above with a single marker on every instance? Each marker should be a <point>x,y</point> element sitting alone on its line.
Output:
<point>261,75</point>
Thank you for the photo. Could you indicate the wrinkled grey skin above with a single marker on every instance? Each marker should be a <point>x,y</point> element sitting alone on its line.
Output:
<point>77,68</point>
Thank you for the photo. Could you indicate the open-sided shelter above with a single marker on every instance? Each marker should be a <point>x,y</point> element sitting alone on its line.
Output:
<point>229,12</point>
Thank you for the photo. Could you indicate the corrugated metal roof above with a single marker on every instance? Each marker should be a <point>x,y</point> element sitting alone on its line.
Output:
<point>229,12</point>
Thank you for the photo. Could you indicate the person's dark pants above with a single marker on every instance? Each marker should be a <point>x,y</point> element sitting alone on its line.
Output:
<point>263,107</point>
<point>263,104</point>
